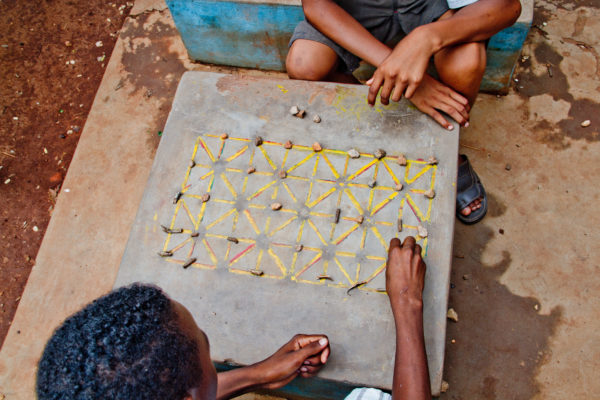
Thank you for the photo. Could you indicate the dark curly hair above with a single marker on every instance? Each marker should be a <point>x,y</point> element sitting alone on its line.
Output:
<point>125,345</point>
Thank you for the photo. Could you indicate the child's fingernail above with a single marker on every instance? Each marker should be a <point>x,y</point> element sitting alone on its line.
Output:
<point>450,127</point>
<point>306,362</point>
<point>323,341</point>
<point>370,81</point>
<point>467,124</point>
<point>303,369</point>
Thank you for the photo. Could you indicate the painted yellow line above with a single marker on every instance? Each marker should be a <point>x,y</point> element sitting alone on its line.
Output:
<point>280,227</point>
<point>313,226</point>
<point>278,262</point>
<point>252,222</point>
<point>353,200</point>
<point>221,218</point>
<point>236,155</point>
<point>331,167</point>
<point>322,197</point>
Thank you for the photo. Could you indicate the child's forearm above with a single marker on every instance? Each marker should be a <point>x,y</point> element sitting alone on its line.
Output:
<point>474,23</point>
<point>411,374</point>
<point>236,382</point>
<point>335,23</point>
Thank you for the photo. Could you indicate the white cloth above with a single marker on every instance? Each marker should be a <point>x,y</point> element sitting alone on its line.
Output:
<point>368,394</point>
<point>459,3</point>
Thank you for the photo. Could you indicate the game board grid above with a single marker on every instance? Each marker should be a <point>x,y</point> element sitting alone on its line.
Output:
<point>316,183</point>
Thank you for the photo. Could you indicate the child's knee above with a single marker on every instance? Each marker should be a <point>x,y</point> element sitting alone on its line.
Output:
<point>301,63</point>
<point>463,64</point>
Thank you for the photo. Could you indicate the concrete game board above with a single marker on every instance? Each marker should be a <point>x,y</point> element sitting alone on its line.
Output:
<point>253,275</point>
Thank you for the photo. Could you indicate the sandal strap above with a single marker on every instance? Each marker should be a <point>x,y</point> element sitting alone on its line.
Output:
<point>469,187</point>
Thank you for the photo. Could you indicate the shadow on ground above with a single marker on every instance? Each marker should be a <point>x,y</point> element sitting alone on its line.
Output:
<point>501,340</point>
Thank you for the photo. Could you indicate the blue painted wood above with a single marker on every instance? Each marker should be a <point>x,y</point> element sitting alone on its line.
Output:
<point>239,34</point>
<point>256,35</point>
<point>503,52</point>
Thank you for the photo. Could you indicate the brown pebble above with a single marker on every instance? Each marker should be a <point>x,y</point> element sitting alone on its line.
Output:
<point>251,170</point>
<point>298,247</point>
<point>205,197</point>
<point>422,231</point>
<point>300,114</point>
<point>276,206</point>
<point>224,136</point>
<point>338,212</point>
<point>430,194</point>
<point>256,272</point>
<point>189,262</point>
<point>258,141</point>
<point>399,187</point>
<point>288,145</point>
<point>233,239</point>
<point>194,234</point>
<point>192,164</point>
<point>324,276</point>
<point>549,68</point>
<point>165,253</point>
<point>452,315</point>
<point>501,231</point>
<point>360,219</point>
<point>466,277</point>
<point>317,146</point>
<point>401,160</point>
<point>316,119</point>
<point>282,174</point>
<point>372,183</point>
<point>379,154</point>
<point>432,160</point>
<point>507,167</point>
<point>399,224</point>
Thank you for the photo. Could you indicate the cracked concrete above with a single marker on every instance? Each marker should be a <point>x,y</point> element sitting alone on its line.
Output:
<point>528,307</point>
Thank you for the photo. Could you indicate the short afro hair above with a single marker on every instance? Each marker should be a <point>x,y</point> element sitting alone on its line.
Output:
<point>124,345</point>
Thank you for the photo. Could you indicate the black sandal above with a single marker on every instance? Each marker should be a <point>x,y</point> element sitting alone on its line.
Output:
<point>469,189</point>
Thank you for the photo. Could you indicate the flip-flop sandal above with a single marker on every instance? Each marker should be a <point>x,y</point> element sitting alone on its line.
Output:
<point>469,189</point>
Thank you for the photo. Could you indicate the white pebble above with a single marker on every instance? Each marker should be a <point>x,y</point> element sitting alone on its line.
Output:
<point>586,123</point>
<point>35,229</point>
<point>353,153</point>
<point>99,43</point>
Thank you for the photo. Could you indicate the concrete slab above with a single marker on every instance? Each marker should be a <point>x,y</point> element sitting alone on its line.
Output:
<point>528,315</point>
<point>238,233</point>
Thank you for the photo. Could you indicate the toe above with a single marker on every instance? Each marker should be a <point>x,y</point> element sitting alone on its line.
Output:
<point>466,211</point>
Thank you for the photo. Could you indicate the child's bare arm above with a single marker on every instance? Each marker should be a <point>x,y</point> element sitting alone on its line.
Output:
<point>335,23</point>
<point>403,70</point>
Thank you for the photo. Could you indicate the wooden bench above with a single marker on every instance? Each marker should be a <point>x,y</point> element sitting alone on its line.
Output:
<point>255,34</point>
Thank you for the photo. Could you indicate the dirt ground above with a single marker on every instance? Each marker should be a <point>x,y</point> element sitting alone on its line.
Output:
<point>52,59</point>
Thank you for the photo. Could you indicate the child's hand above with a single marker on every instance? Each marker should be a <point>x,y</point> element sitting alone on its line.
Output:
<point>303,355</point>
<point>403,70</point>
<point>405,275</point>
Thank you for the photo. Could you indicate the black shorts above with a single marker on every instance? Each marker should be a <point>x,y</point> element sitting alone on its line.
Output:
<point>385,19</point>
